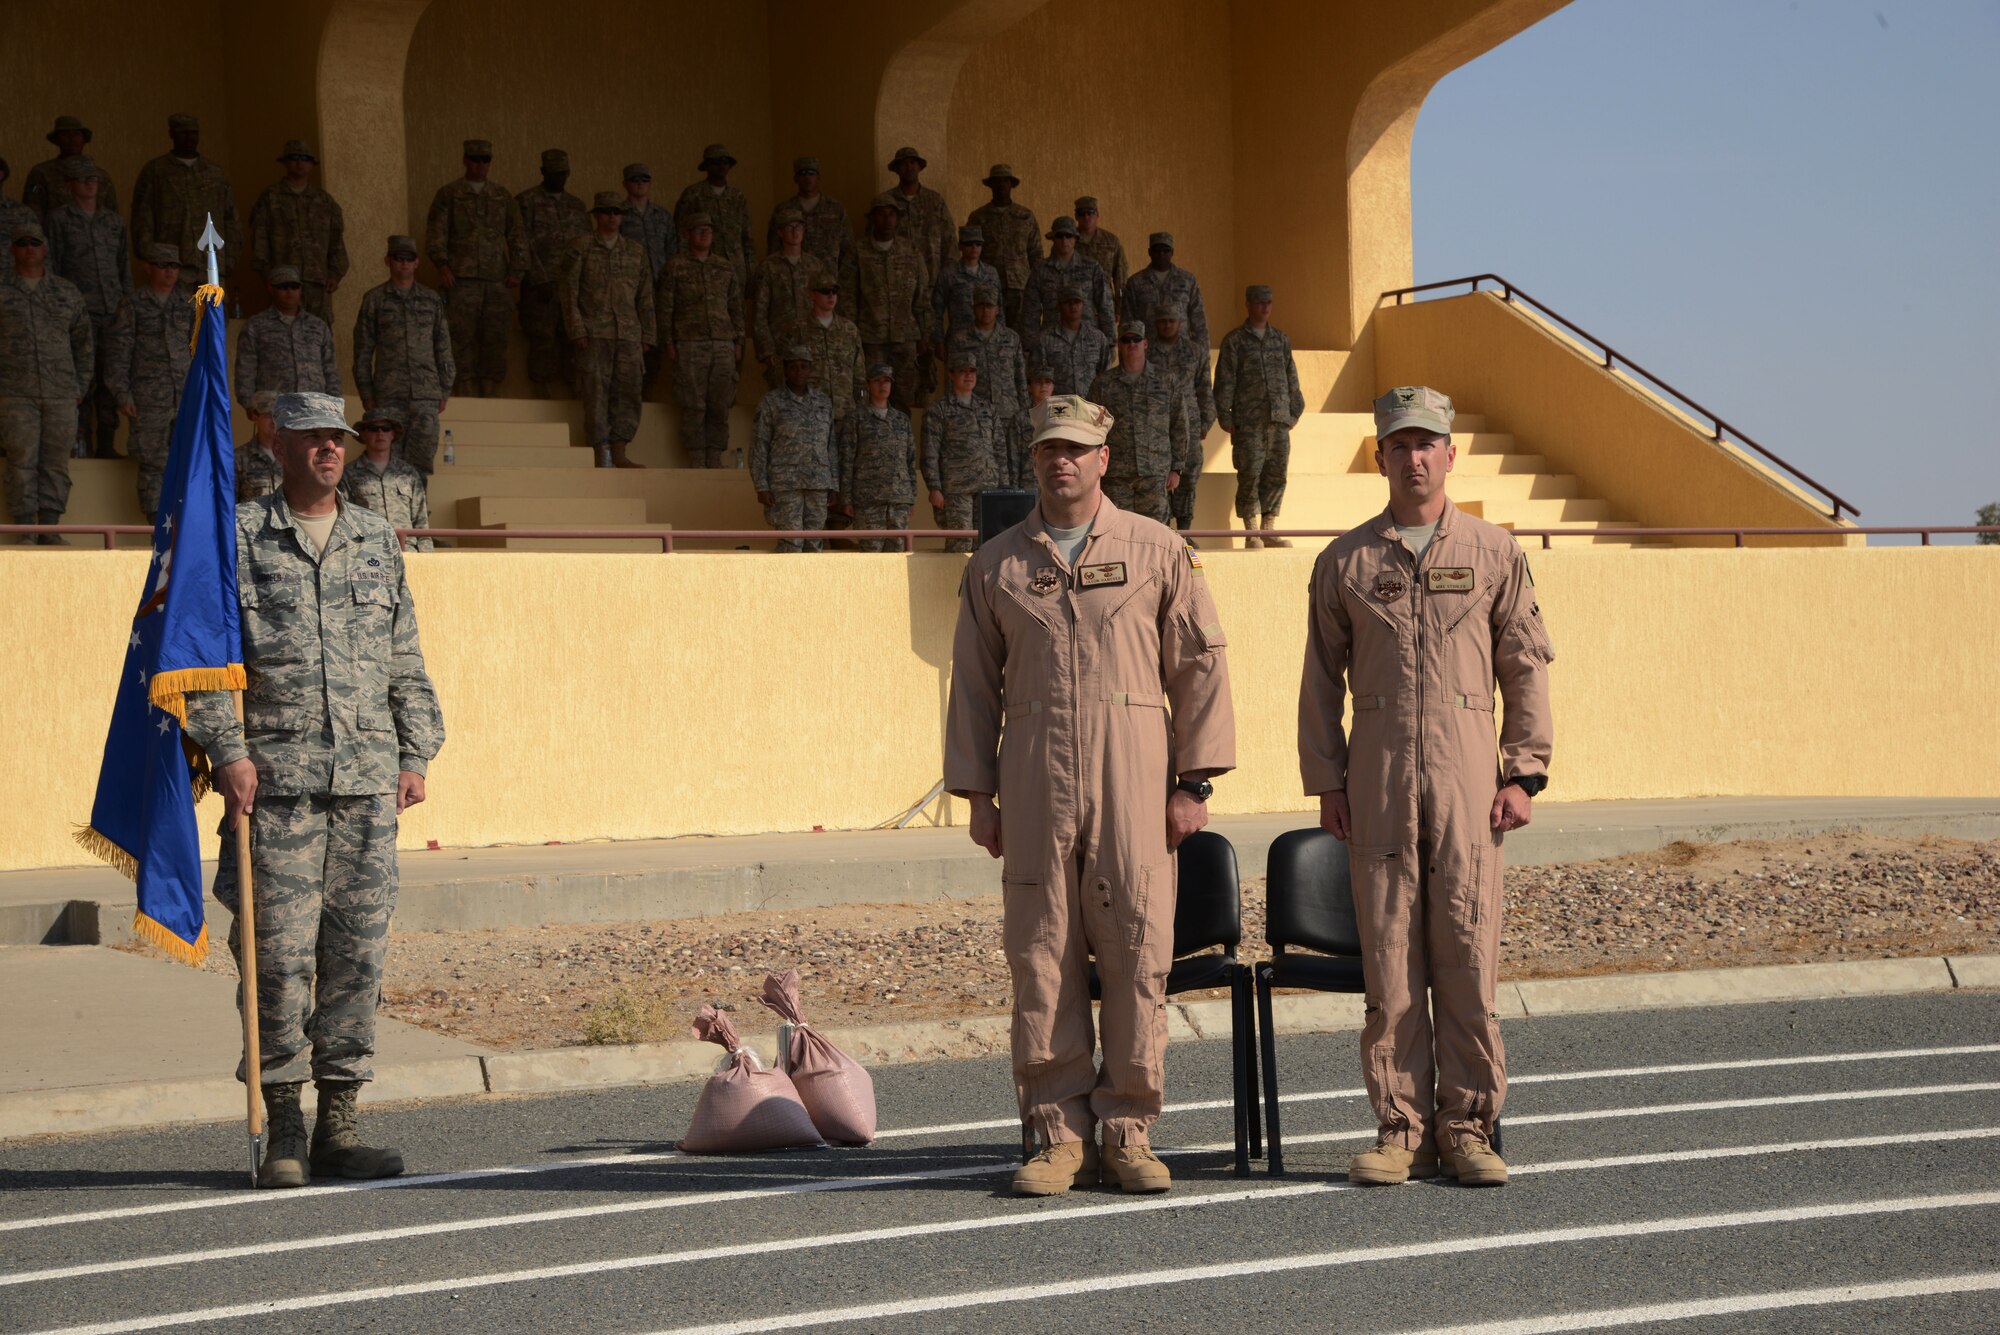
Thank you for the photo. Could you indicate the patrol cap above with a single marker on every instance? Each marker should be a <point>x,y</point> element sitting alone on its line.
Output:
<point>555,160</point>
<point>985,294</point>
<point>971,236</point>
<point>1073,417</point>
<point>283,275</point>
<point>402,247</point>
<point>638,171</point>
<point>885,200</point>
<point>297,148</point>
<point>181,120</point>
<point>1042,372</point>
<point>788,215</point>
<point>81,168</point>
<point>716,153</point>
<point>826,284</point>
<point>162,254</point>
<point>311,412</point>
<point>479,148</point>
<point>264,402</point>
<point>1085,204</point>
<point>799,352</point>
<point>1068,294</point>
<point>1158,239</point>
<point>1131,329</point>
<point>1000,172</point>
<point>388,414</point>
<point>1064,225</point>
<point>881,371</point>
<point>26,231</point>
<point>607,201</point>
<point>66,124</point>
<point>808,163</point>
<point>694,220</point>
<point>1170,311</point>
<point>963,361</point>
<point>1257,292</point>
<point>906,154</point>
<point>1413,405</point>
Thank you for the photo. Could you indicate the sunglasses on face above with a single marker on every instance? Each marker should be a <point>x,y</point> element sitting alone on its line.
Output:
<point>26,243</point>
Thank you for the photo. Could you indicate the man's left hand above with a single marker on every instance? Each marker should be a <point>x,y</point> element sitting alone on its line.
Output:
<point>1512,809</point>
<point>1184,816</point>
<point>409,790</point>
<point>1173,482</point>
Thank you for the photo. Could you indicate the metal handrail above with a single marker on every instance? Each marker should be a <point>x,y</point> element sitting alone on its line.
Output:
<point>1615,360</point>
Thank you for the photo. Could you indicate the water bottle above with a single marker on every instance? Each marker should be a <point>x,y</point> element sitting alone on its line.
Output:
<point>450,454</point>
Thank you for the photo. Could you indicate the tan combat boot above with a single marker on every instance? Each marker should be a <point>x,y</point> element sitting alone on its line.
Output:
<point>1065,1164</point>
<point>1136,1169</point>
<point>1389,1163</point>
<point>337,1150</point>
<point>1473,1162</point>
<point>1250,541</point>
<point>619,459</point>
<point>1271,521</point>
<point>284,1139</point>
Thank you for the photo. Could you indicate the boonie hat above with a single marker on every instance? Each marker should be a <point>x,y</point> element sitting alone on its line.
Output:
<point>716,153</point>
<point>67,123</point>
<point>1073,417</point>
<point>386,413</point>
<point>310,412</point>
<point>1001,172</point>
<point>905,154</point>
<point>1413,405</point>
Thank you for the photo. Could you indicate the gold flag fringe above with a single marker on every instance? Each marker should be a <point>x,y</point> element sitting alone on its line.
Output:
<point>208,294</point>
<point>99,845</point>
<point>191,955</point>
<point>168,690</point>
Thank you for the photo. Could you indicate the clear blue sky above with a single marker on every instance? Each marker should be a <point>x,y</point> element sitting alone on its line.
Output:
<point>1788,208</point>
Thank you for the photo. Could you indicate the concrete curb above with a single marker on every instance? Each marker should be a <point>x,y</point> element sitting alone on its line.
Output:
<point>100,1108</point>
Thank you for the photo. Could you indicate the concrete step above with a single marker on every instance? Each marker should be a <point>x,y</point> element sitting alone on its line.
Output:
<point>551,511</point>
<point>519,456</point>
<point>512,435</point>
<point>600,545</point>
<point>1488,465</point>
<point>1560,513</point>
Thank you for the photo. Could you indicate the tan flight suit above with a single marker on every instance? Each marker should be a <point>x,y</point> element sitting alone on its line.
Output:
<point>1112,679</point>
<point>1420,768</point>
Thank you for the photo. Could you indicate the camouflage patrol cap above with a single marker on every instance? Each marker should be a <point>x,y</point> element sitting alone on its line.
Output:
<point>886,200</point>
<point>1158,239</point>
<point>638,171</point>
<point>402,247</point>
<point>162,254</point>
<point>311,412</point>
<point>182,120</point>
<point>1413,405</point>
<point>1068,294</point>
<point>1064,225</point>
<point>1042,372</point>
<point>67,124</point>
<point>1131,329</point>
<point>881,371</point>
<point>24,231</point>
<point>1001,172</point>
<point>81,168</point>
<point>827,284</point>
<point>264,402</point>
<point>283,275</point>
<point>695,220</point>
<point>479,148</point>
<point>1085,204</point>
<point>1172,310</point>
<point>905,154</point>
<point>297,148</point>
<point>971,236</point>
<point>963,361</point>
<point>1257,292</point>
<point>555,160</point>
<point>799,352</point>
<point>985,294</point>
<point>789,215</point>
<point>808,163</point>
<point>716,153</point>
<point>607,201</point>
<point>390,414</point>
<point>1073,417</point>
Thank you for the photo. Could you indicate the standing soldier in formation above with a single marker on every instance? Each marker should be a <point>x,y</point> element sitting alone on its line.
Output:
<point>1149,435</point>
<point>11,211</point>
<point>47,361</point>
<point>1041,388</point>
<point>1003,375</point>
<point>886,288</point>
<point>1065,267</point>
<point>87,246</point>
<point>402,353</point>
<point>258,472</point>
<point>606,293</point>
<point>551,218</point>
<point>340,725</point>
<point>1185,363</point>
<point>963,445</point>
<point>792,464</point>
<point>1102,245</point>
<point>951,295</point>
<point>924,216</point>
<point>1257,402</point>
<point>878,455</point>
<point>44,191</point>
<point>700,309</point>
<point>1164,283</point>
<point>176,195</point>
<point>827,234</point>
<point>652,227</point>
<point>378,480</point>
<point>725,207</point>
<point>781,289</point>
<point>1073,349</point>
<point>146,363</point>
<point>284,347</point>
<point>475,239</point>
<point>1013,237</point>
<point>837,363</point>
<point>295,222</point>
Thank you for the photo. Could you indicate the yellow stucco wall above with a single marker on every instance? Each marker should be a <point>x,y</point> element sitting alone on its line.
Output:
<point>630,696</point>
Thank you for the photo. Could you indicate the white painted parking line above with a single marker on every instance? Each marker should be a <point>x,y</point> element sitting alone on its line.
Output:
<point>1839,1295</point>
<point>868,1237</point>
<point>1456,1247</point>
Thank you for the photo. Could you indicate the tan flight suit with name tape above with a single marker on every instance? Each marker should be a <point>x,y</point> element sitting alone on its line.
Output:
<point>1420,645</point>
<point>1111,678</point>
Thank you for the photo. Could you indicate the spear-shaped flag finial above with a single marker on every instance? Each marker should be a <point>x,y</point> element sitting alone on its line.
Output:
<point>211,241</point>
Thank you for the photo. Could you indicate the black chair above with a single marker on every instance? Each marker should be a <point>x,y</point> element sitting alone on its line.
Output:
<point>1309,908</point>
<point>1208,927</point>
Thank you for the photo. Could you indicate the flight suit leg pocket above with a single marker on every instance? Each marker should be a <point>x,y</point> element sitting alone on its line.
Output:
<point>1028,921</point>
<point>1475,903</point>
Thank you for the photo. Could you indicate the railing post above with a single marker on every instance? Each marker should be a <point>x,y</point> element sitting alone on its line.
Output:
<point>667,543</point>
<point>1547,543</point>
<point>1739,538</point>
<point>1925,538</point>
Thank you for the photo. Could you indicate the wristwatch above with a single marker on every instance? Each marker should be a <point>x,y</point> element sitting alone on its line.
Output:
<point>1198,789</point>
<point>1531,784</point>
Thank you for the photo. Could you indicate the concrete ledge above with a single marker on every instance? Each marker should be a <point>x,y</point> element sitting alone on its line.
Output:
<point>1725,987</point>
<point>600,1067</point>
<point>1980,971</point>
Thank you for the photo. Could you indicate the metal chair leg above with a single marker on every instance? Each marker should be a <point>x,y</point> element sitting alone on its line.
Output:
<point>1267,1037</point>
<point>1253,1112</point>
<point>1241,1035</point>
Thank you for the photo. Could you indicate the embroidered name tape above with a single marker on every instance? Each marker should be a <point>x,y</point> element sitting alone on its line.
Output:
<point>1449,579</point>
<point>1101,576</point>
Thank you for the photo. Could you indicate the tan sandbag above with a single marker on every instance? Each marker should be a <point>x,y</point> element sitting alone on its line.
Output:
<point>835,1088</point>
<point>744,1107</point>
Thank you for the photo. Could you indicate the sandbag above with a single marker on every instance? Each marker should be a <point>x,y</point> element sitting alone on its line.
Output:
<point>744,1106</point>
<point>835,1088</point>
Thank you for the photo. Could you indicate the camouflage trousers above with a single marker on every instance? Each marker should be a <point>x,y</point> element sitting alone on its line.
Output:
<point>325,885</point>
<point>1141,495</point>
<point>152,433</point>
<point>1180,501</point>
<point>1262,453</point>
<point>314,297</point>
<point>867,515</point>
<point>37,436</point>
<point>419,442</point>
<point>961,510</point>
<point>705,389</point>
<point>477,311</point>
<point>549,355</point>
<point>97,416</point>
<point>797,510</point>
<point>912,372</point>
<point>613,369</point>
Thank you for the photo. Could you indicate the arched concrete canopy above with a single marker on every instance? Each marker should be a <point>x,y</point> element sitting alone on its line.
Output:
<point>913,101</point>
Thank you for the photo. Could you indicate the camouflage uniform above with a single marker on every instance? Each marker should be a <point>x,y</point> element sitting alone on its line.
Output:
<point>1149,438</point>
<point>791,457</point>
<point>781,296</point>
<point>828,236</point>
<point>700,309</point>
<point>607,297</point>
<point>1050,277</point>
<point>47,189</point>
<point>393,490</point>
<point>1185,362</point>
<point>951,297</point>
<point>403,358</point>
<point>1257,401</point>
<point>1013,246</point>
<point>963,445</point>
<point>47,361</point>
<point>291,355</point>
<point>1002,385</point>
<point>652,227</point>
<point>1076,358</point>
<point>878,456</point>
<point>551,222</point>
<point>839,370</point>
<point>927,225</point>
<point>338,703</point>
<point>1104,246</point>
<point>258,472</point>
<point>729,213</point>
<point>12,212</point>
<point>145,363</point>
<point>887,292</point>
<point>171,204</point>
<point>304,229</point>
<point>89,250</point>
<point>1149,289</point>
<point>477,233</point>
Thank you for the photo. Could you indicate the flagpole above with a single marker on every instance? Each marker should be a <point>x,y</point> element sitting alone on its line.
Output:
<point>246,928</point>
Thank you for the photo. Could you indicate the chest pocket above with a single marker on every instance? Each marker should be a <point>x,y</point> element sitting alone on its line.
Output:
<point>274,629</point>
<point>1478,600</point>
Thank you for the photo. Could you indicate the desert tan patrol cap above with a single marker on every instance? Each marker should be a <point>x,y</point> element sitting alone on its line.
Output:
<point>1073,417</point>
<point>1413,405</point>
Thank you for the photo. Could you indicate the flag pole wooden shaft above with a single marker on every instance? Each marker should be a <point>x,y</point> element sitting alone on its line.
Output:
<point>246,928</point>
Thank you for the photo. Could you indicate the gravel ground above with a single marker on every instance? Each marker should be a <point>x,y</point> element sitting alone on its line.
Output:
<point>1683,907</point>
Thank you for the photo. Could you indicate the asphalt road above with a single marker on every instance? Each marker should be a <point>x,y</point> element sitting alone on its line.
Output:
<point>1801,1167</point>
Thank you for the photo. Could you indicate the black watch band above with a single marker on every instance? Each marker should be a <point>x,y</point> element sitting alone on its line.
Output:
<point>1199,789</point>
<point>1531,784</point>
